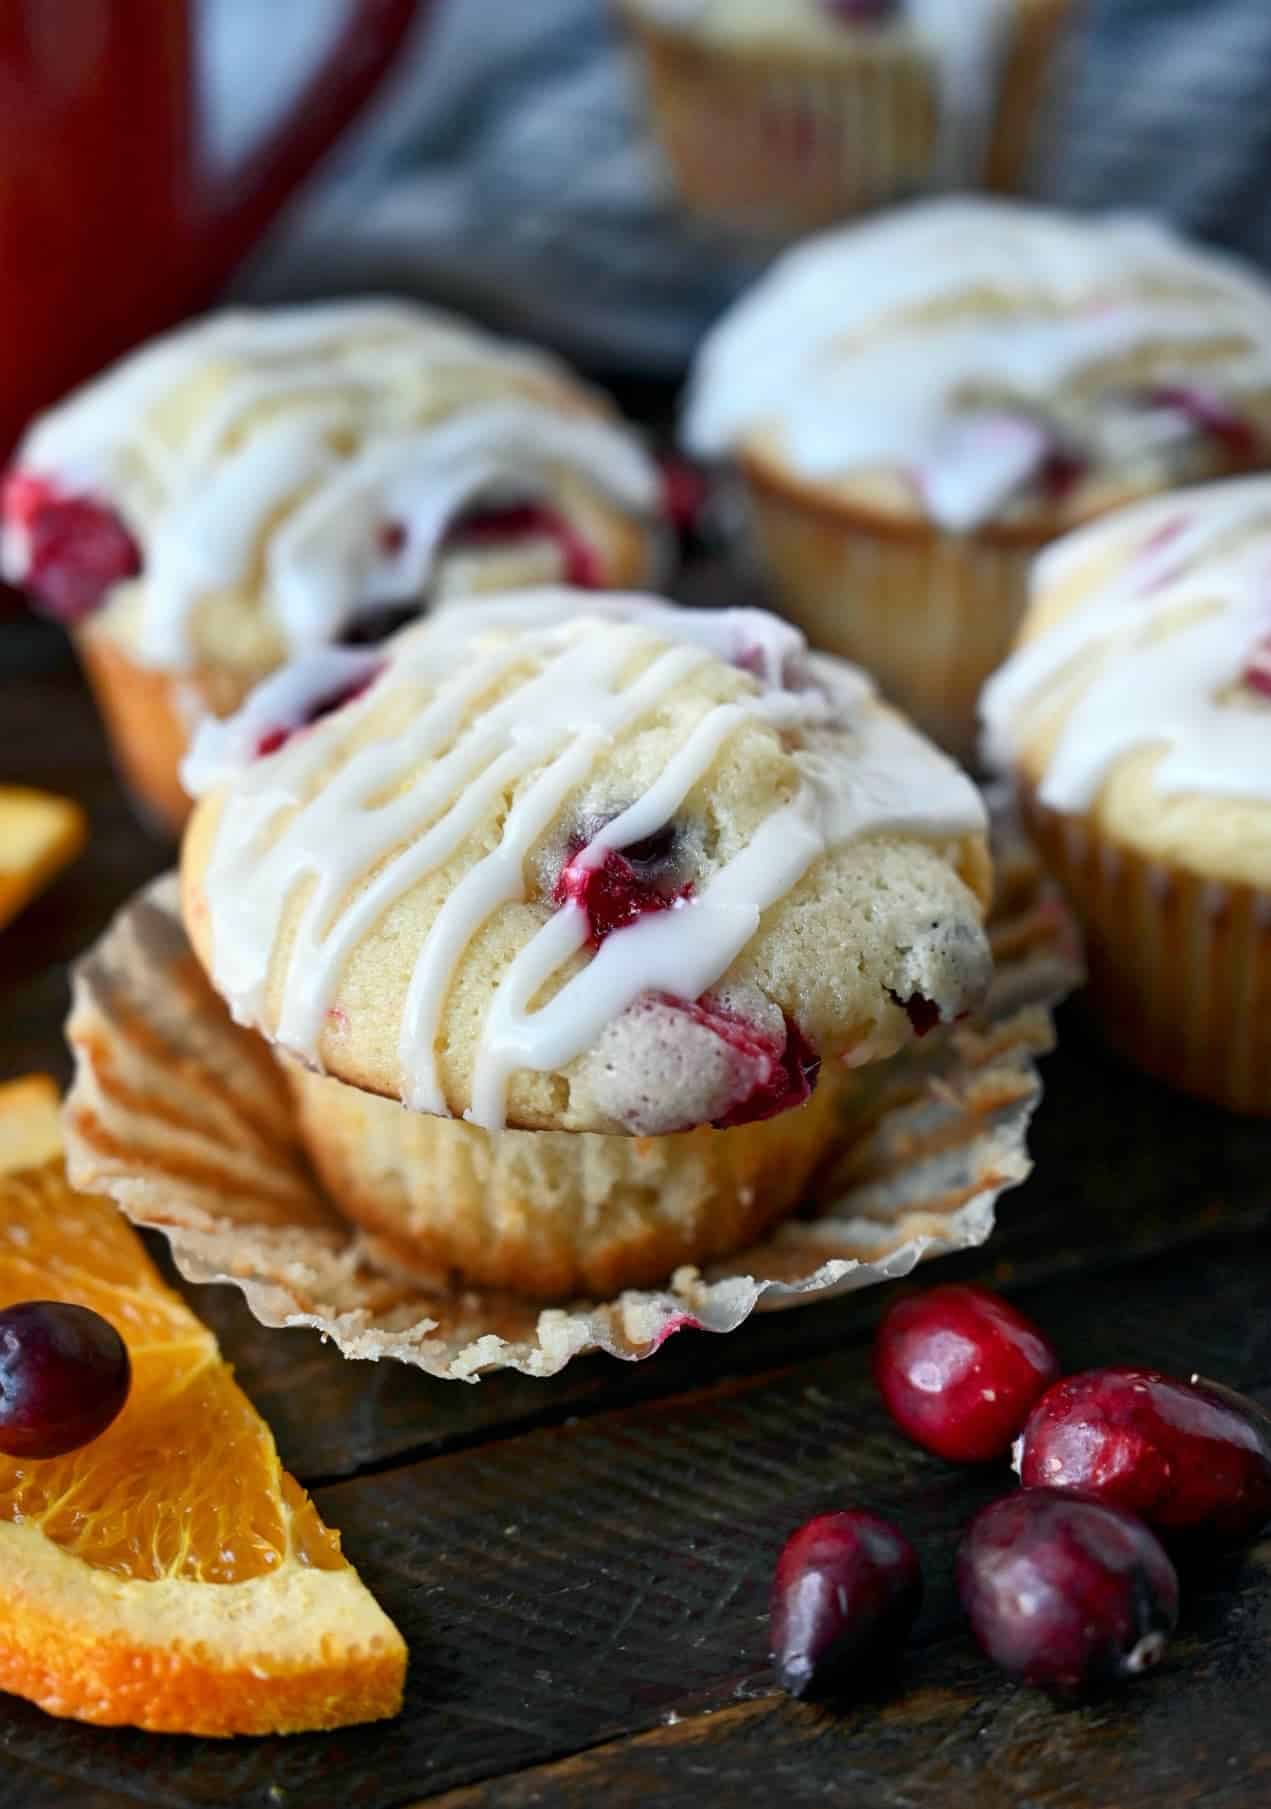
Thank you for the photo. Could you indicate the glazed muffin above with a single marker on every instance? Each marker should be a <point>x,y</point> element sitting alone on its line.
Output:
<point>1135,718</point>
<point>918,405</point>
<point>628,881</point>
<point>257,485</point>
<point>780,116</point>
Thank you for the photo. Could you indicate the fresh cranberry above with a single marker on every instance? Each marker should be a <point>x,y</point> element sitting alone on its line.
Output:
<point>1185,1456</point>
<point>1210,415</point>
<point>77,546</point>
<point>1257,672</point>
<point>510,523</point>
<point>64,1375</point>
<point>846,1592</point>
<point>273,739</point>
<point>1066,1594</point>
<point>923,1013</point>
<point>958,1369</point>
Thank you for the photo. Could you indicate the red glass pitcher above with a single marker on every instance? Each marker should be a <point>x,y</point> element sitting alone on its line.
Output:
<point>113,221</point>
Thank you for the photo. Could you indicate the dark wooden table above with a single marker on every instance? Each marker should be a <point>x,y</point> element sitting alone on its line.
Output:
<point>581,1566</point>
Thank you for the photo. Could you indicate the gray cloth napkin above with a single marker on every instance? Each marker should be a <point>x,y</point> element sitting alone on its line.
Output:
<point>506,165</point>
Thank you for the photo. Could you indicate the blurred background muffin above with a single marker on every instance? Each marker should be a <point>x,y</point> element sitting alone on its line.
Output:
<point>266,483</point>
<point>916,405</point>
<point>779,116</point>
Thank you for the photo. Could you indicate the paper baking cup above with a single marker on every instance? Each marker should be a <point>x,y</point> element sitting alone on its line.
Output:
<point>149,717</point>
<point>183,1118</point>
<point>777,145</point>
<point>1179,966</point>
<point>931,615</point>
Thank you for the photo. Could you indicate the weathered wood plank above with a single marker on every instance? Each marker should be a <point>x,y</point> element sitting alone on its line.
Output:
<point>1118,1173</point>
<point>581,1583</point>
<point>1184,1738</point>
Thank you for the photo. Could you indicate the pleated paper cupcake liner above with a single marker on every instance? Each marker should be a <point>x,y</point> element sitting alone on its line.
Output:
<point>931,615</point>
<point>183,1118</point>
<point>777,143</point>
<point>1180,965</point>
<point>775,146</point>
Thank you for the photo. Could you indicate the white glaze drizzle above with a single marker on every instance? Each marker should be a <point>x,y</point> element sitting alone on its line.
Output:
<point>262,471</point>
<point>1153,657</point>
<point>826,351</point>
<point>399,807</point>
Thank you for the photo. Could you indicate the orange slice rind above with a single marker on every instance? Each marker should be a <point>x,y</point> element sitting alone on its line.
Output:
<point>170,1575</point>
<point>39,835</point>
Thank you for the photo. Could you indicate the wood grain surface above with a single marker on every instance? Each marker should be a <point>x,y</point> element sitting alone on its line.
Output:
<point>581,1566</point>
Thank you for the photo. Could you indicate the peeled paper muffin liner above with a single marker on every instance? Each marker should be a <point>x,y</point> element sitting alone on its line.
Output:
<point>183,1118</point>
<point>931,615</point>
<point>1180,965</point>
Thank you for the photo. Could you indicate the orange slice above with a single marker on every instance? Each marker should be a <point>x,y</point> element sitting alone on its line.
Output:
<point>170,1575</point>
<point>29,1133</point>
<point>39,835</point>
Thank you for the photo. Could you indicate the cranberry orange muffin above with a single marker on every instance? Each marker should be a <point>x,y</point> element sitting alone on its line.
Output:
<point>615,887</point>
<point>919,404</point>
<point>779,116</point>
<point>1135,717</point>
<point>260,484</point>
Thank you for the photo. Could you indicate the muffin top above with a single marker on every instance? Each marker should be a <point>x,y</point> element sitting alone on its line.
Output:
<point>260,483</point>
<point>1140,692</point>
<point>973,362</point>
<point>574,863</point>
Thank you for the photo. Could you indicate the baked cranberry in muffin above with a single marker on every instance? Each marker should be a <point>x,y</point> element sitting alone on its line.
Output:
<point>72,548</point>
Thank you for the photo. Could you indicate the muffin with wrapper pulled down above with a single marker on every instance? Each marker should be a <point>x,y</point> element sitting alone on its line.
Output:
<point>573,919</point>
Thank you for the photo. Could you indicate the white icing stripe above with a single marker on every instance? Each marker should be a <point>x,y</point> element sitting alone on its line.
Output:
<point>402,804</point>
<point>329,424</point>
<point>828,353</point>
<point>1153,657</point>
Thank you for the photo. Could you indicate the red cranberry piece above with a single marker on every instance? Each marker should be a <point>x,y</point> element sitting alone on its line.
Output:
<point>64,1375</point>
<point>1066,1594</point>
<point>273,739</point>
<point>626,885</point>
<point>509,523</point>
<point>1185,1456</point>
<point>1062,470</point>
<point>1257,674</point>
<point>847,1589</point>
<point>958,1369</point>
<point>1210,415</point>
<point>77,546</point>
<point>685,493</point>
<point>786,1077</point>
